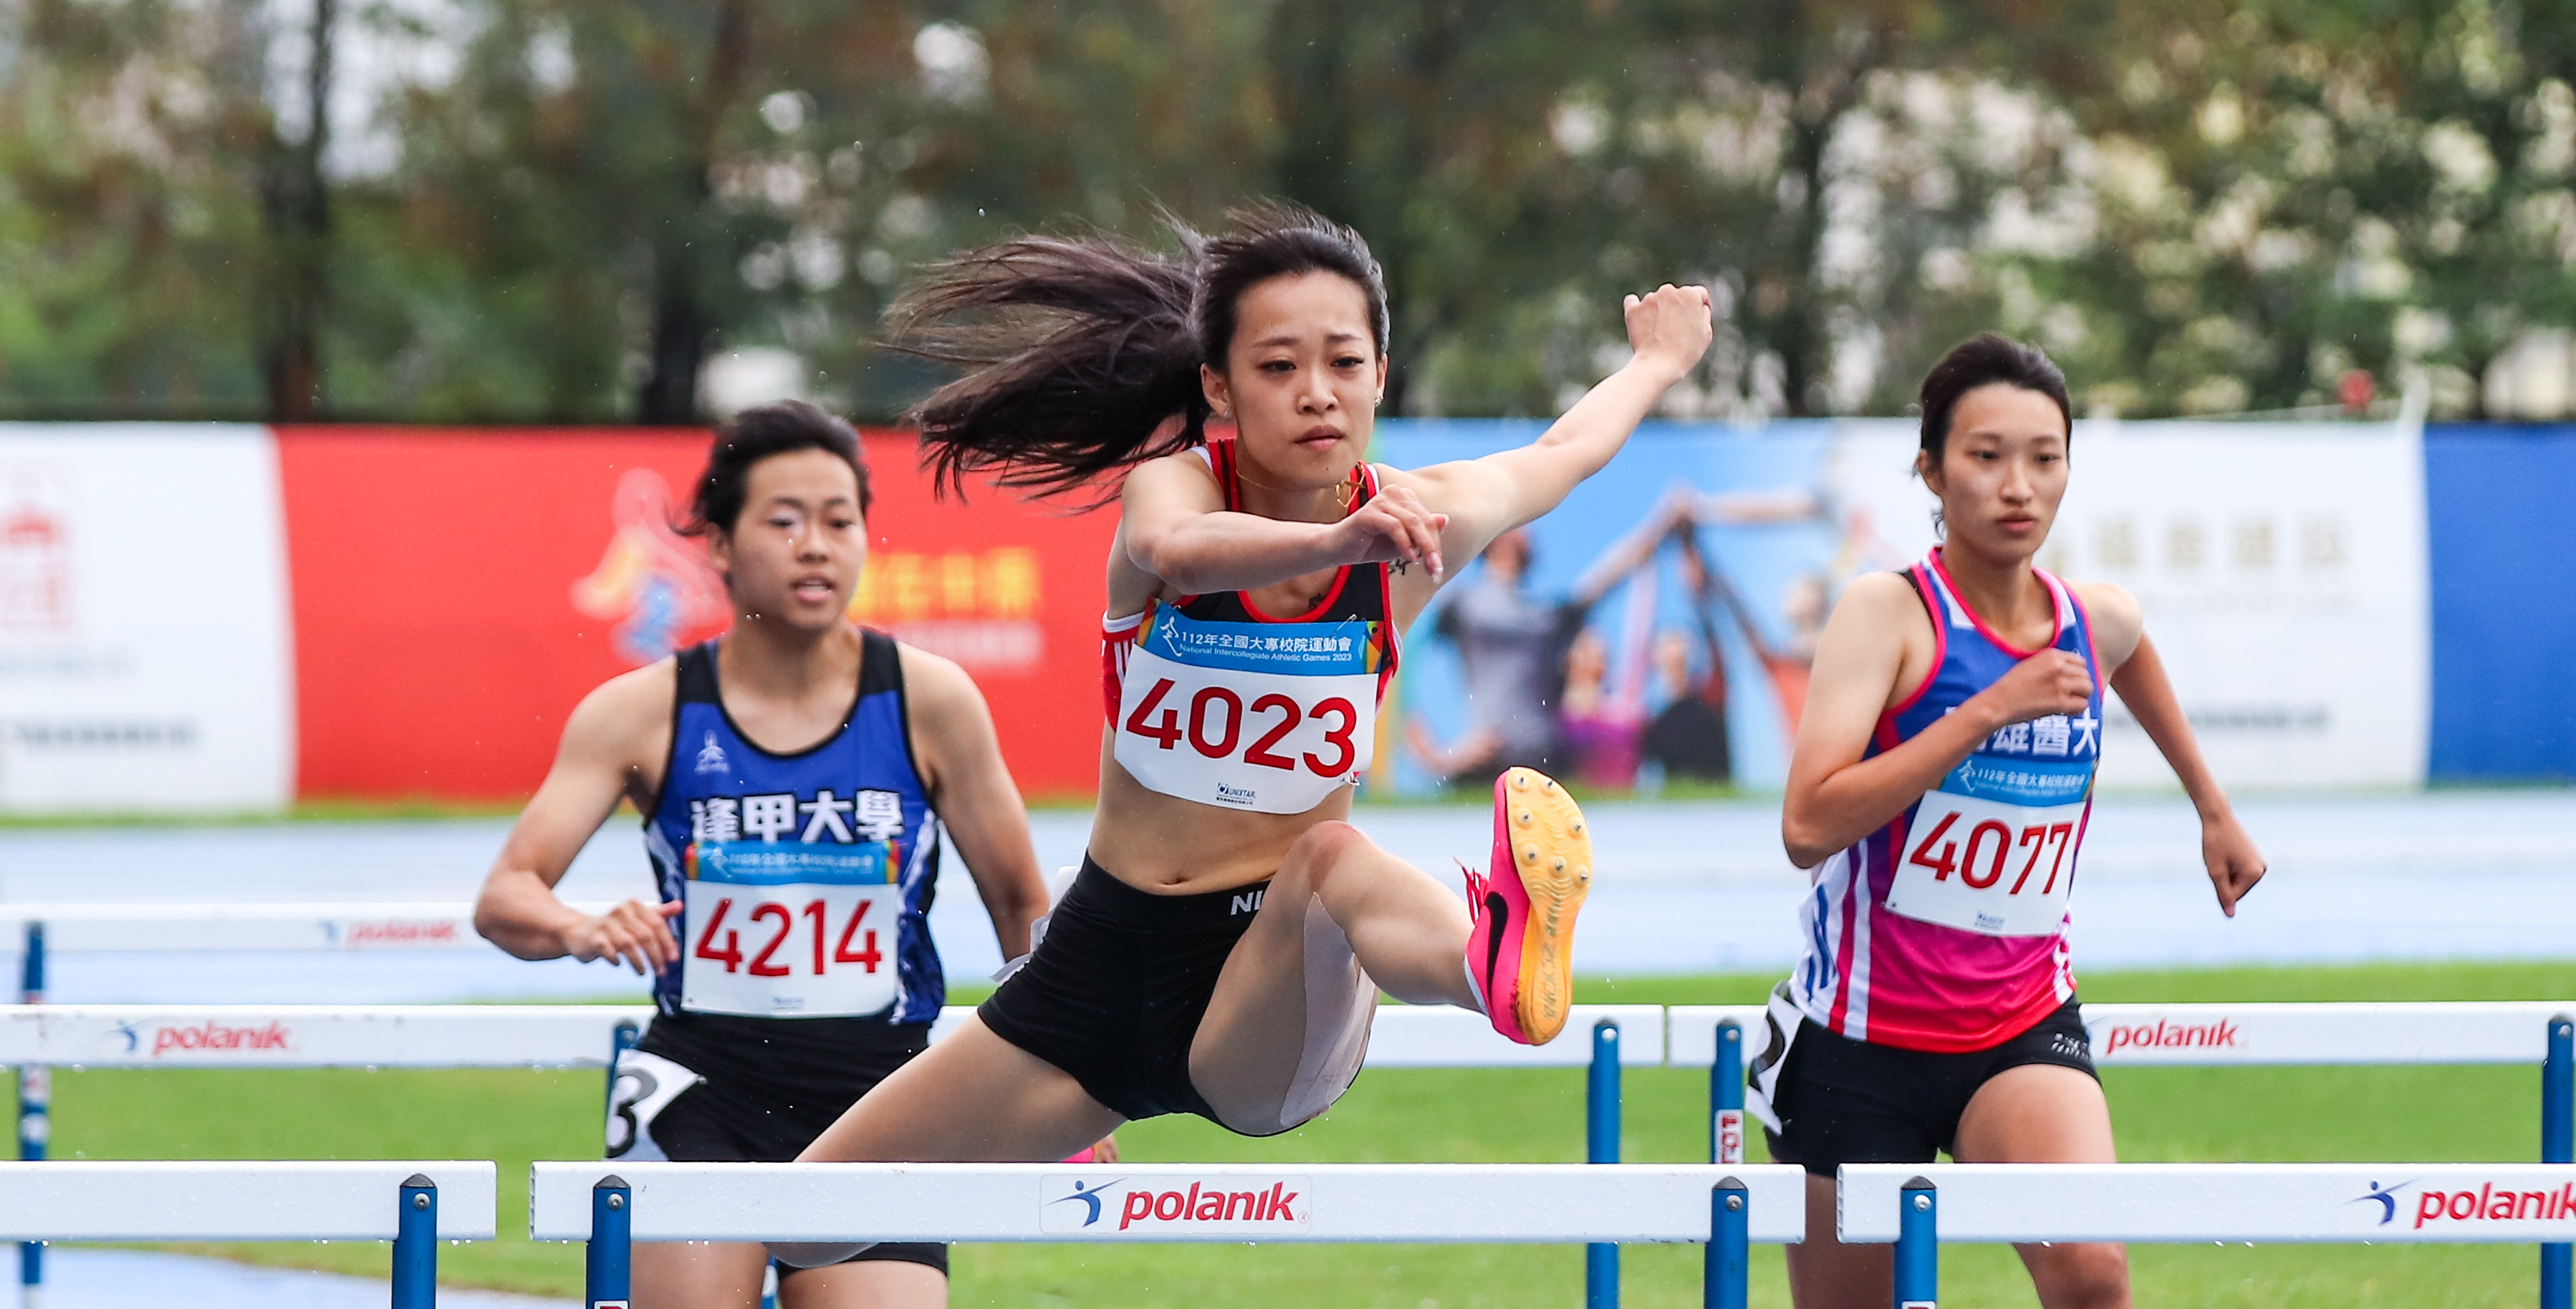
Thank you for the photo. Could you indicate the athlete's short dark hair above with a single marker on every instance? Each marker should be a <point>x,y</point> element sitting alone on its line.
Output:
<point>1981,360</point>
<point>755,434</point>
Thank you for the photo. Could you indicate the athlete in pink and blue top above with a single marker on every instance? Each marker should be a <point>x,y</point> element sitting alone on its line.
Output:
<point>1940,790</point>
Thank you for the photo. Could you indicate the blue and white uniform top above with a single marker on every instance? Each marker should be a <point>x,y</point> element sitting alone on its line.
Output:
<point>808,877</point>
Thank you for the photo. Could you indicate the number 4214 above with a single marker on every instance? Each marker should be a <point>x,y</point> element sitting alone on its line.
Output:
<point>866,956</point>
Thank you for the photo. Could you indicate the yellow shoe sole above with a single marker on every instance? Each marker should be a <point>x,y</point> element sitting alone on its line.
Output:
<point>1552,854</point>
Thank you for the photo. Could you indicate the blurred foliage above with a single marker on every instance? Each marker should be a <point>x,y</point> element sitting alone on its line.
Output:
<point>559,210</point>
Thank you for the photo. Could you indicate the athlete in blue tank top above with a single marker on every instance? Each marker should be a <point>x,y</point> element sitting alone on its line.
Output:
<point>797,777</point>
<point>806,877</point>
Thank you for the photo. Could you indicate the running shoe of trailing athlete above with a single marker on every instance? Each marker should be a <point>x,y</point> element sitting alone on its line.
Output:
<point>1520,942</point>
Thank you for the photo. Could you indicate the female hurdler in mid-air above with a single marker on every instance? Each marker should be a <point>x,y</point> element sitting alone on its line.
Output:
<point>1221,949</point>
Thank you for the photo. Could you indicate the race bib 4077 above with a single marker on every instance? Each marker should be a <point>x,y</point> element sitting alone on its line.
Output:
<point>1993,850</point>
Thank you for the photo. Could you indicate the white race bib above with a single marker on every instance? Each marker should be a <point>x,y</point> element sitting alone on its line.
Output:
<point>1993,850</point>
<point>1268,717</point>
<point>785,929</point>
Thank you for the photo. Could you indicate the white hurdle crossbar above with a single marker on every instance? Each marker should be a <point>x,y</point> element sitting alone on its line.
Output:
<point>2443,1032</point>
<point>1918,1206</point>
<point>35,1036</point>
<point>583,1036</point>
<point>352,926</point>
<point>613,1204</point>
<point>413,1204</point>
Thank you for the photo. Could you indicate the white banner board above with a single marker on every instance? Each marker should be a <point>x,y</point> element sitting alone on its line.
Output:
<point>2282,568</point>
<point>146,645</point>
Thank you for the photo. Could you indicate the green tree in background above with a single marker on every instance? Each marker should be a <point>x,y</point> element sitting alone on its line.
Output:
<point>2281,194</point>
<point>562,210</point>
<point>130,232</point>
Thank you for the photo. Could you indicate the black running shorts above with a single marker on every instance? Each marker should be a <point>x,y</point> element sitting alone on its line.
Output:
<point>1114,992</point>
<point>766,1097</point>
<point>1842,1101</point>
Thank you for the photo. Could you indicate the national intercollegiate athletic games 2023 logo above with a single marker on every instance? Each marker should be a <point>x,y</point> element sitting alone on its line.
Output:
<point>1092,1206</point>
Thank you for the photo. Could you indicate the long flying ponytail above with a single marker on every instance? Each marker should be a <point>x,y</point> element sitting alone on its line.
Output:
<point>1081,354</point>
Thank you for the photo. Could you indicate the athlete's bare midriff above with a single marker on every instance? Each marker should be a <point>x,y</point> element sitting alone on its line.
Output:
<point>1169,846</point>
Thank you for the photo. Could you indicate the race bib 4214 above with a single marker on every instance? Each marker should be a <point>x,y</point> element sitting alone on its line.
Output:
<point>790,930</point>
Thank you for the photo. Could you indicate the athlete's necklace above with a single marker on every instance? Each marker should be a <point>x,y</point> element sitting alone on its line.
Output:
<point>1344,492</point>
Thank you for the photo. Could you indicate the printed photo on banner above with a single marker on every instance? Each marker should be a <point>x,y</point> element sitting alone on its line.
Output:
<point>1653,634</point>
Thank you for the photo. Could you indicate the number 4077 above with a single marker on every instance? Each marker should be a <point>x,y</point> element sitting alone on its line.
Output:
<point>2037,838</point>
<point>815,913</point>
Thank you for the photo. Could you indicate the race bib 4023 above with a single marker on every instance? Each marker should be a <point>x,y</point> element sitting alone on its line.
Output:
<point>787,929</point>
<point>1268,717</point>
<point>1993,850</point>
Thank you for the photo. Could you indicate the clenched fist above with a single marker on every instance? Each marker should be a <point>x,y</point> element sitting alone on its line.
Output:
<point>1670,327</point>
<point>2050,682</point>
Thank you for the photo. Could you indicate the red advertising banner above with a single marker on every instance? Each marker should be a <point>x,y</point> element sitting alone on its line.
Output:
<point>456,592</point>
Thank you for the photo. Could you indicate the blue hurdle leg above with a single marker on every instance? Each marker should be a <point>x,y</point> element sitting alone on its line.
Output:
<point>1601,1136</point>
<point>1726,1096</point>
<point>1918,1247</point>
<point>621,1040</point>
<point>416,1245</point>
<point>605,1263</point>
<point>1724,1285</point>
<point>2558,1146</point>
<point>35,1113</point>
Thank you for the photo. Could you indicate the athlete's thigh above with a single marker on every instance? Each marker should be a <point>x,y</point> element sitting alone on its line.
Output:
<point>972,1097</point>
<point>1292,985</point>
<point>698,1274</point>
<point>2036,1114</point>
<point>1248,1043</point>
<point>867,1284</point>
<point>2042,1114</point>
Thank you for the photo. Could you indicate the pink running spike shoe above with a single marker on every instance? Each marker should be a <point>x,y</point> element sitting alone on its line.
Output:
<point>1520,944</point>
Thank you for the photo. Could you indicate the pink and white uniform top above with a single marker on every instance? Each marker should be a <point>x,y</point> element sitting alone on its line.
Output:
<point>1946,929</point>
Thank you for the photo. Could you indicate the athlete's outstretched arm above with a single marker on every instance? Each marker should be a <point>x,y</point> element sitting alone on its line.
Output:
<point>2226,848</point>
<point>607,745</point>
<point>1669,329</point>
<point>1835,797</point>
<point>1173,525</point>
<point>972,791</point>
